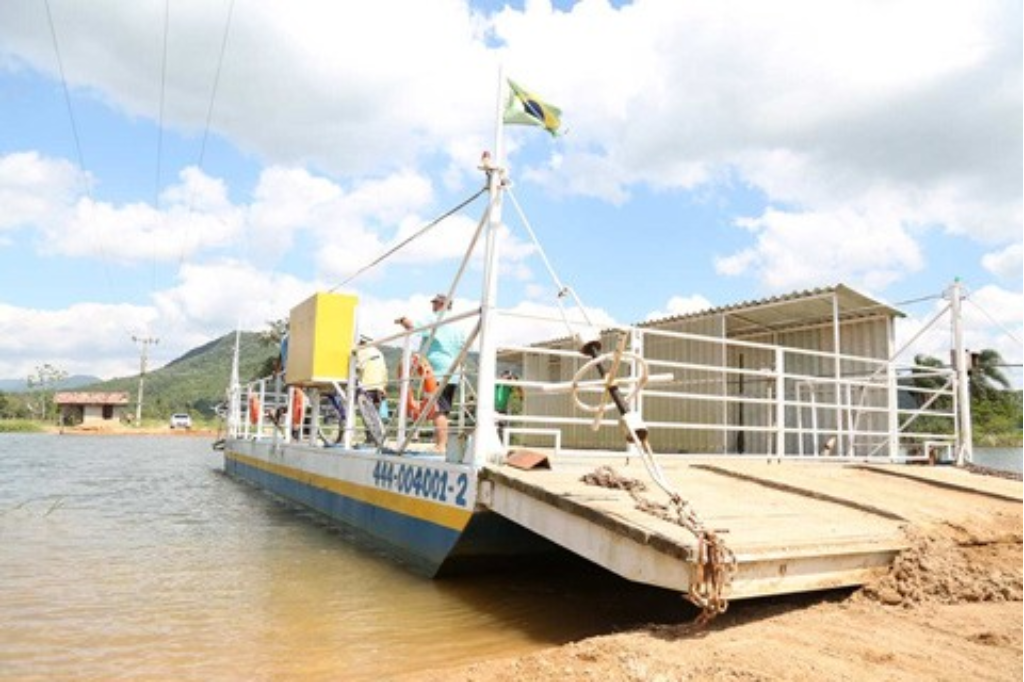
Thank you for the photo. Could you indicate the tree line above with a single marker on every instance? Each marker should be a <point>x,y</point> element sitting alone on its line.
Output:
<point>995,407</point>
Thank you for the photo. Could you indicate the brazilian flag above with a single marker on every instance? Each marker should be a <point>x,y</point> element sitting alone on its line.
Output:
<point>524,108</point>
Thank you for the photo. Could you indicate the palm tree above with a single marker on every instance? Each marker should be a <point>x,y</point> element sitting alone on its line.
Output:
<point>986,375</point>
<point>927,382</point>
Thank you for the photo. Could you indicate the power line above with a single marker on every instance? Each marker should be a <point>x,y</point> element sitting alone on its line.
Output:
<point>160,136</point>
<point>206,127</point>
<point>74,132</point>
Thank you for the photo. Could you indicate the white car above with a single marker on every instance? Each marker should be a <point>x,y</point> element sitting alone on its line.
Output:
<point>181,421</point>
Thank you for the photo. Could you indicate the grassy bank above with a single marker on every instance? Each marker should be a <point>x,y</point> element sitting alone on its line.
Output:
<point>999,440</point>
<point>21,426</point>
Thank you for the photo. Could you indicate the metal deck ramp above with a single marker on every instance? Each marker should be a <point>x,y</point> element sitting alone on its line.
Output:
<point>793,527</point>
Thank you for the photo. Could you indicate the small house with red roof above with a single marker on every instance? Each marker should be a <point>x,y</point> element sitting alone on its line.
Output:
<point>90,407</point>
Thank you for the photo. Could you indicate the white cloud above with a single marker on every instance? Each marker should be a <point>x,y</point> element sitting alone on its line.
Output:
<point>341,86</point>
<point>862,126</point>
<point>35,190</point>
<point>47,195</point>
<point>920,129</point>
<point>29,338</point>
<point>681,305</point>
<point>794,249</point>
<point>1007,264</point>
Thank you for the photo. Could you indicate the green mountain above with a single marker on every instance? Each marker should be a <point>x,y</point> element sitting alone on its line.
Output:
<point>195,382</point>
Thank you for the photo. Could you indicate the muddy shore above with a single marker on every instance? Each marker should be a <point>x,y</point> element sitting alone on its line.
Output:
<point>949,608</point>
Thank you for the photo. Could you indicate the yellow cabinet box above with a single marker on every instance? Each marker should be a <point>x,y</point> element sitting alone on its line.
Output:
<point>321,333</point>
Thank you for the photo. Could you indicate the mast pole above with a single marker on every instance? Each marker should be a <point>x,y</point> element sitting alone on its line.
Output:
<point>486,444</point>
<point>964,450</point>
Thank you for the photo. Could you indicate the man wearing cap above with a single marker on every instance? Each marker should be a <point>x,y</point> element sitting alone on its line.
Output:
<point>446,343</point>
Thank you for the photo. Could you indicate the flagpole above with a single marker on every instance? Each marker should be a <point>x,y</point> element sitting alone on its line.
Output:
<point>486,444</point>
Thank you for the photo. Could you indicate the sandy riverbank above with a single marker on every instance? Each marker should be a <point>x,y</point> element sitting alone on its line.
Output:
<point>950,608</point>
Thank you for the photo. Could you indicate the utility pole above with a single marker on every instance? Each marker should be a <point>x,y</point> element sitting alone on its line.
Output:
<point>145,343</point>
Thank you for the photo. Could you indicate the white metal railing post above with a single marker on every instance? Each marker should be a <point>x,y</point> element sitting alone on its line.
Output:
<point>799,409</point>
<point>404,387</point>
<point>262,393</point>
<point>349,429</point>
<point>780,402</point>
<point>815,434</point>
<point>892,418</point>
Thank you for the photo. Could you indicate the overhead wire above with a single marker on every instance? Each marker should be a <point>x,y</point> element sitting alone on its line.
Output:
<point>160,139</point>
<point>80,156</point>
<point>207,125</point>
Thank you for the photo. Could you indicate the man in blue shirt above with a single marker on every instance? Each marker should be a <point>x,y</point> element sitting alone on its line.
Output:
<point>446,343</point>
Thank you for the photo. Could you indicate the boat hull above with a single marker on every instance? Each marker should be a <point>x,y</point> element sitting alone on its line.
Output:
<point>420,508</point>
<point>417,507</point>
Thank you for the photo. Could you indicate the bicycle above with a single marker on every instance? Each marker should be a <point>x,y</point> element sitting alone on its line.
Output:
<point>333,419</point>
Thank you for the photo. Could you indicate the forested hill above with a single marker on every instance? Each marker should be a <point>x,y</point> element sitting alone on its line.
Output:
<point>195,382</point>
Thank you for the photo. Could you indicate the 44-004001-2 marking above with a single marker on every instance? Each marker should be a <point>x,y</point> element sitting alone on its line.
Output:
<point>431,484</point>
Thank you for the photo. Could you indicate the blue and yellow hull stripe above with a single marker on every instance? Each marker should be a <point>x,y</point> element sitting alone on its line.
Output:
<point>423,530</point>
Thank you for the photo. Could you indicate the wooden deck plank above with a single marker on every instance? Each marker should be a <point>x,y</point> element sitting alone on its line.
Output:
<point>792,526</point>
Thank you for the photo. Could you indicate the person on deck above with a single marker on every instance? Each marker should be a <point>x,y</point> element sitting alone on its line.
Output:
<point>446,343</point>
<point>372,370</point>
<point>503,394</point>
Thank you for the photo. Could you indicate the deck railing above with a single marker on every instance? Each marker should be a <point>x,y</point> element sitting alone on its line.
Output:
<point>725,396</point>
<point>740,397</point>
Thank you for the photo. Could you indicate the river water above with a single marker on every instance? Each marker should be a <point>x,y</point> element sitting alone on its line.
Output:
<point>128,557</point>
<point>135,558</point>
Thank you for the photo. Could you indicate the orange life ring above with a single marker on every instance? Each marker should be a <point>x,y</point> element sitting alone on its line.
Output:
<point>420,366</point>
<point>254,409</point>
<point>298,400</point>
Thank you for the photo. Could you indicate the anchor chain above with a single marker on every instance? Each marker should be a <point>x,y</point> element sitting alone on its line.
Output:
<point>715,563</point>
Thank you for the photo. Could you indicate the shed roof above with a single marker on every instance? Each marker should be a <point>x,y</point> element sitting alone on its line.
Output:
<point>90,398</point>
<point>798,309</point>
<point>807,308</point>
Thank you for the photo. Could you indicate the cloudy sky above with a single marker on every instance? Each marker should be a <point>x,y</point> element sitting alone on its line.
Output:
<point>175,169</point>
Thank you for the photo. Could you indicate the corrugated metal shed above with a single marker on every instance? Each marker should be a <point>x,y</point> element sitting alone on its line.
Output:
<point>718,379</point>
<point>808,308</point>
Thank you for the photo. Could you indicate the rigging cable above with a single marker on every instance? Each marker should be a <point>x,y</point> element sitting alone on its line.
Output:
<point>933,297</point>
<point>405,242</point>
<point>563,290</point>
<point>993,320</point>
<point>716,562</point>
